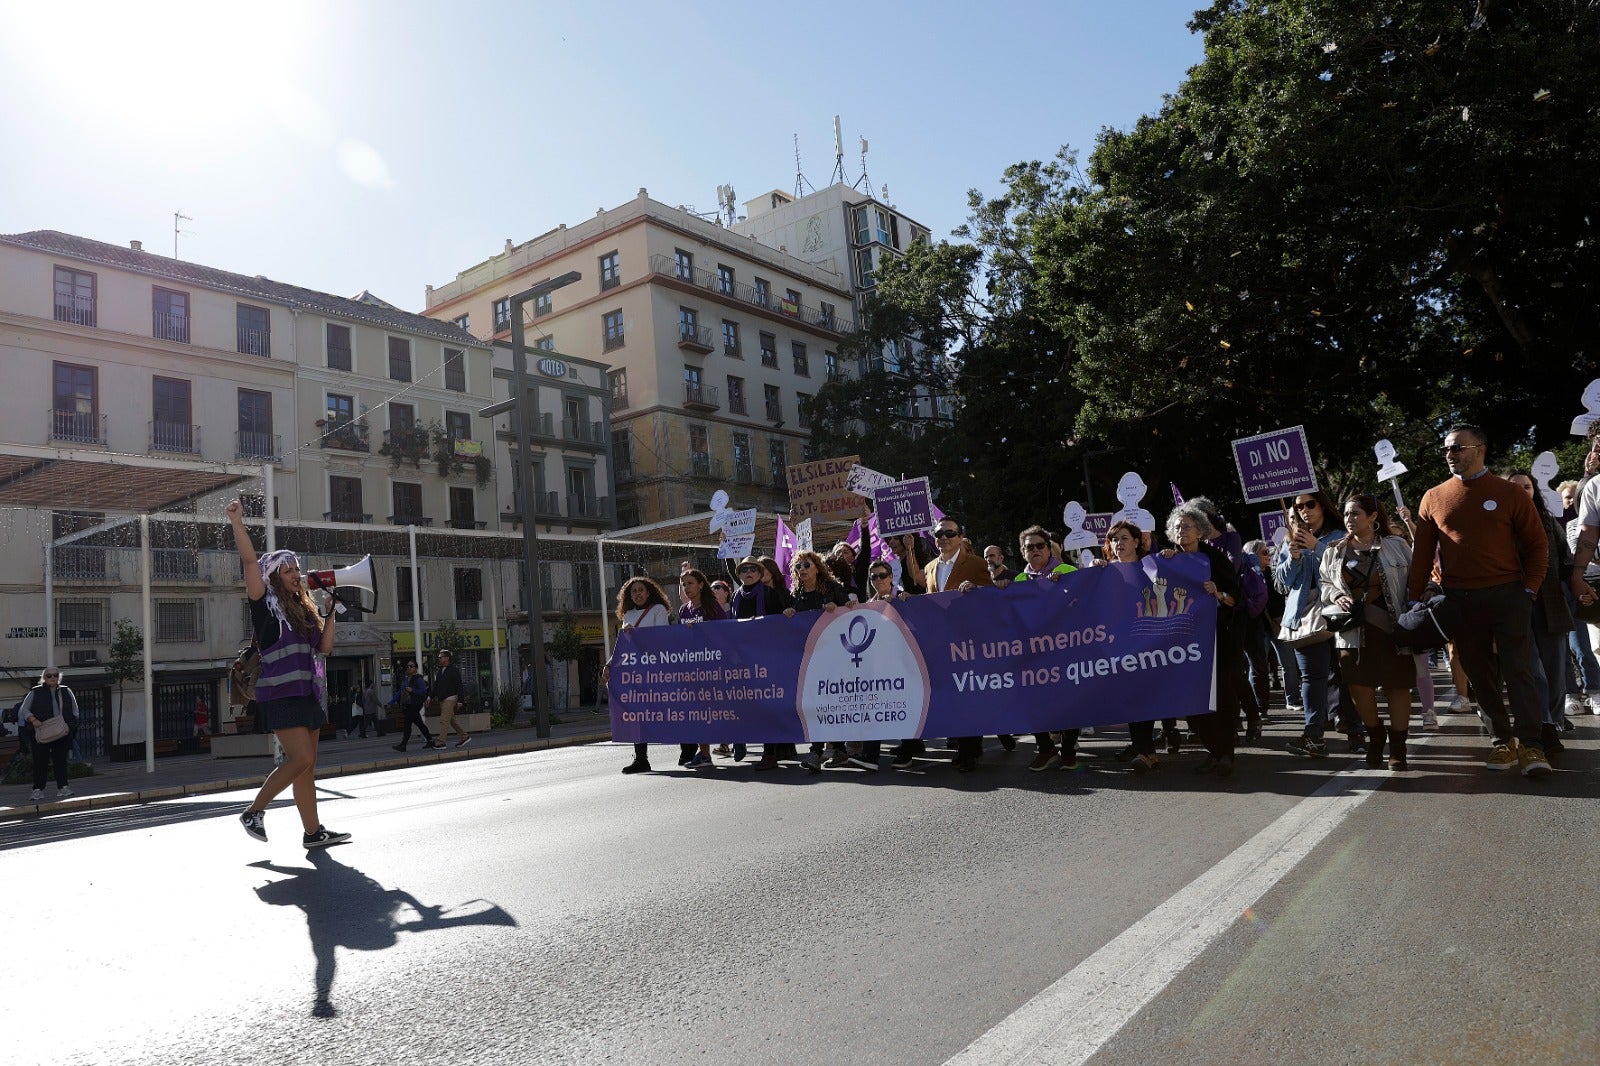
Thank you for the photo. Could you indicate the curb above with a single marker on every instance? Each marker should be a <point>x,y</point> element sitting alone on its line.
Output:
<point>165,792</point>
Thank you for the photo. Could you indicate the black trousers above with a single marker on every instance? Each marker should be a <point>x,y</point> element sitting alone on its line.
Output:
<point>414,718</point>
<point>1143,736</point>
<point>56,752</point>
<point>686,751</point>
<point>1495,642</point>
<point>1217,731</point>
<point>1069,740</point>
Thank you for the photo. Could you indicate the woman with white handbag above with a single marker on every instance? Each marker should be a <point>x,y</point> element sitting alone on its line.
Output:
<point>52,710</point>
<point>1313,526</point>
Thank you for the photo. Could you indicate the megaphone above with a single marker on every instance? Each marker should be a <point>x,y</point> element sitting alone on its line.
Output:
<point>356,575</point>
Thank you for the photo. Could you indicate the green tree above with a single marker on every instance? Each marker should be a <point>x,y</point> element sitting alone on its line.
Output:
<point>126,662</point>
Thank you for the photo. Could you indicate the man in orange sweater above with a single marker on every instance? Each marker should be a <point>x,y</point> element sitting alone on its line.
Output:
<point>1492,554</point>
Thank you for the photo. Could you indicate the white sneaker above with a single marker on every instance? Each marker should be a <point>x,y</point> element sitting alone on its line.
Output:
<point>1429,719</point>
<point>1460,705</point>
<point>1294,708</point>
<point>1593,699</point>
<point>1575,706</point>
<point>64,792</point>
<point>36,795</point>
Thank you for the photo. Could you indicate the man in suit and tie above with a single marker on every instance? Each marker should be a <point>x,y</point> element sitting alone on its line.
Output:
<point>959,568</point>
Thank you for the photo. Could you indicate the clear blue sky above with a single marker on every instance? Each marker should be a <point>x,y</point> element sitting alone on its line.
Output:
<point>382,146</point>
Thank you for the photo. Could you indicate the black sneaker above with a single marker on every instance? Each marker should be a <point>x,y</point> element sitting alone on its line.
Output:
<point>463,742</point>
<point>904,761</point>
<point>255,824</point>
<point>323,838</point>
<point>1008,742</point>
<point>637,766</point>
<point>399,747</point>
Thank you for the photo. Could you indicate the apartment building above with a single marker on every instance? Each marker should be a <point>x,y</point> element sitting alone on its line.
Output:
<point>843,229</point>
<point>711,339</point>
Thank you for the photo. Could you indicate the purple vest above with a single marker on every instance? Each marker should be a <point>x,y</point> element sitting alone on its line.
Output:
<point>288,668</point>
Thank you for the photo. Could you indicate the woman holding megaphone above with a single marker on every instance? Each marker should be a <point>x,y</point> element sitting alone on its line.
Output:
<point>290,635</point>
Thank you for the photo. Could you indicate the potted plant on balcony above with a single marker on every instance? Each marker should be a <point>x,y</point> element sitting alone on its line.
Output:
<point>406,446</point>
<point>451,459</point>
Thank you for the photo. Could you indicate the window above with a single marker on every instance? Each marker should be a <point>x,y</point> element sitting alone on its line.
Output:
<point>344,499</point>
<point>736,395</point>
<point>802,402</point>
<point>341,410</point>
<point>891,356</point>
<point>581,501</point>
<point>826,316</point>
<point>169,315</point>
<point>627,514</point>
<point>338,342</point>
<point>618,380</point>
<point>502,314</point>
<point>402,418</point>
<point>742,469</point>
<point>730,339</point>
<point>830,365</point>
<point>399,359</point>
<point>689,325</point>
<point>863,232</point>
<point>171,427</point>
<point>685,264</point>
<point>692,392</point>
<point>802,362</point>
<point>763,292</point>
<point>178,622</point>
<point>622,454</point>
<point>542,305</point>
<point>464,321</point>
<point>699,451</point>
<point>791,302</point>
<point>75,415</point>
<point>725,279</point>
<point>778,459</point>
<point>455,370</point>
<point>255,426</point>
<point>610,271</point>
<point>774,404</point>
<point>883,226</point>
<point>769,350</point>
<point>458,425</point>
<point>585,592</point>
<point>864,267</point>
<point>81,622</point>
<point>808,452</point>
<point>74,297</point>
<point>404,605</point>
<point>545,344</point>
<point>255,331</point>
<point>468,582</point>
<point>407,503</point>
<point>614,335</point>
<point>463,508</point>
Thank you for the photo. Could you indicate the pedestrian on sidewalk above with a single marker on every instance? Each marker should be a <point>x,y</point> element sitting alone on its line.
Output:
<point>202,717</point>
<point>369,710</point>
<point>447,690</point>
<point>290,635</point>
<point>413,695</point>
<point>46,707</point>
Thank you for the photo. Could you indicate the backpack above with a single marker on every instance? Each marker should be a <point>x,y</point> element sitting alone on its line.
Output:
<point>244,673</point>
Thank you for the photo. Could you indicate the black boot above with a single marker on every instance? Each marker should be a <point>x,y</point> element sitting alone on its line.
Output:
<point>1374,746</point>
<point>1551,736</point>
<point>1397,750</point>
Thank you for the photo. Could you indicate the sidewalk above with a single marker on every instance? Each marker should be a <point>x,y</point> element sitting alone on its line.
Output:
<point>122,784</point>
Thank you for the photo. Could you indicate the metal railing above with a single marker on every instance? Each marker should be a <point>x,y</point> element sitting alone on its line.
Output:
<point>780,477</point>
<point>582,432</point>
<point>78,310</point>
<point>174,437</point>
<point>592,507</point>
<point>77,427</point>
<point>352,517</point>
<point>255,342</point>
<point>702,465</point>
<point>736,404</point>
<point>165,326</point>
<point>253,444</point>
<point>774,412</point>
<point>410,520</point>
<point>547,504</point>
<point>700,396</point>
<point>743,473</point>
<point>466,523</point>
<point>77,562</point>
<point>693,337</point>
<point>622,469</point>
<point>174,564</point>
<point>667,266</point>
<point>349,436</point>
<point>839,374</point>
<point>619,398</point>
<point>557,599</point>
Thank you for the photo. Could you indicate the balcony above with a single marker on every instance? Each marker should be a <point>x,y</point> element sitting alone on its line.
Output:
<point>75,562</point>
<point>619,398</point>
<point>174,564</point>
<point>667,266</point>
<point>736,404</point>
<point>580,432</point>
<point>345,435</point>
<point>774,413</point>
<point>780,478</point>
<point>174,437</point>
<point>592,508</point>
<point>547,504</point>
<point>169,327</point>
<point>692,338</point>
<point>703,465</point>
<point>251,444</point>
<point>700,397</point>
<point>622,469</point>
<point>466,523</point>
<point>350,517</point>
<point>255,342</point>
<point>78,310</point>
<point>743,474</point>
<point>78,427</point>
<point>557,599</point>
<point>838,375</point>
<point>410,520</point>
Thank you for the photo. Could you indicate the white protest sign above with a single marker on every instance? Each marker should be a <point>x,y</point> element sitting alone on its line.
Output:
<point>864,481</point>
<point>738,523</point>
<point>802,536</point>
<point>1130,491</point>
<point>736,547</point>
<point>719,510</point>
<point>1085,559</point>
<point>1389,468</point>
<point>1591,410</point>
<point>1546,466</point>
<point>1076,536</point>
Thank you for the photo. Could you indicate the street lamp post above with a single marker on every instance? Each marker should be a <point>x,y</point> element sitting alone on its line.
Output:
<point>518,405</point>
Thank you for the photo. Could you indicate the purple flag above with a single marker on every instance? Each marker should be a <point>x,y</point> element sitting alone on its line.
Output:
<point>853,538</point>
<point>784,551</point>
<point>1177,497</point>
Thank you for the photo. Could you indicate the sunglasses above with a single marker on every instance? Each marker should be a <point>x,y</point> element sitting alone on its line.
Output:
<point>1455,449</point>
<point>802,566</point>
<point>749,570</point>
<point>51,677</point>
<point>884,576</point>
<point>946,534</point>
<point>1037,545</point>
<point>1305,505</point>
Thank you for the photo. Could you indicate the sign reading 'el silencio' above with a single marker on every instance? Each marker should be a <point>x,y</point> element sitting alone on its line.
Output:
<point>822,489</point>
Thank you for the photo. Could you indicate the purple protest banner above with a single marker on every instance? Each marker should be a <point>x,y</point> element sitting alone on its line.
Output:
<point>1274,466</point>
<point>1271,523</point>
<point>904,507</point>
<point>1102,645</point>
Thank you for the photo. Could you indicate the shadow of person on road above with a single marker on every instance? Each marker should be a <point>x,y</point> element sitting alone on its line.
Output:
<point>347,909</point>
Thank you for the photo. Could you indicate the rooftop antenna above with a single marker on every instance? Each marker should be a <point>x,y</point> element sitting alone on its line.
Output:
<point>800,181</point>
<point>838,154</point>
<point>863,180</point>
<point>725,201</point>
<point>177,216</point>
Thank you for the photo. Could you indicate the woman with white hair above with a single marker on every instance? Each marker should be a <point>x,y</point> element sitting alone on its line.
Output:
<point>51,711</point>
<point>290,635</point>
<point>1190,529</point>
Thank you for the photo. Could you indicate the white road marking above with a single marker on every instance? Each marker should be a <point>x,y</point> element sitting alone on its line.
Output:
<point>1073,1018</point>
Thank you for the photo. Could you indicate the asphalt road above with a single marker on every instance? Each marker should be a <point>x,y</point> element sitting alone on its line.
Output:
<point>542,908</point>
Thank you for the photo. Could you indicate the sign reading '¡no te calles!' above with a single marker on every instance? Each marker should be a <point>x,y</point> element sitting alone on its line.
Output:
<point>821,489</point>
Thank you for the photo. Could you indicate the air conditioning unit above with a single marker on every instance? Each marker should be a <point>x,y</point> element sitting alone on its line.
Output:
<point>83,657</point>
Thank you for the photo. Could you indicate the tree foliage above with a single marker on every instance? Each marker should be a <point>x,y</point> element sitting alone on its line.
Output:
<point>125,661</point>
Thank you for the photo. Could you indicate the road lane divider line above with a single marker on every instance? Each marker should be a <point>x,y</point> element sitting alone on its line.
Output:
<point>1072,1019</point>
